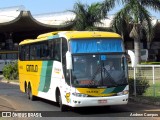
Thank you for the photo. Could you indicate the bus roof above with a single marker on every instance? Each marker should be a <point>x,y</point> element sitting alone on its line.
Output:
<point>91,34</point>
<point>72,35</point>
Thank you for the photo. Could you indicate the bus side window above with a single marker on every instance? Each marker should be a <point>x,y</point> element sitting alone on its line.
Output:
<point>57,50</point>
<point>20,53</point>
<point>32,52</point>
<point>38,52</point>
<point>51,49</point>
<point>26,51</point>
<point>64,50</point>
<point>44,51</point>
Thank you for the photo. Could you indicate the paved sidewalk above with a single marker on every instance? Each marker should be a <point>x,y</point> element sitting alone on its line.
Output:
<point>4,104</point>
<point>1,77</point>
<point>5,81</point>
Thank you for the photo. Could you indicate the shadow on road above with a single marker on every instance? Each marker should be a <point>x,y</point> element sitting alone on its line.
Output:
<point>90,111</point>
<point>118,110</point>
<point>12,91</point>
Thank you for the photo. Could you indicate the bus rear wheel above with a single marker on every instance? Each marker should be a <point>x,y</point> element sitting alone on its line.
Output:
<point>30,95</point>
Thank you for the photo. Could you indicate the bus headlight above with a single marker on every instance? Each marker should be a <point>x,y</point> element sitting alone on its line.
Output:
<point>123,92</point>
<point>79,95</point>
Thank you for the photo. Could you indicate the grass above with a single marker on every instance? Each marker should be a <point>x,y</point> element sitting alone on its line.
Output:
<point>151,96</point>
<point>147,73</point>
<point>153,90</point>
<point>150,63</point>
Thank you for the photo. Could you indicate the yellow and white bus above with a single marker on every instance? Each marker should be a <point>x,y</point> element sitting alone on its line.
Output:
<point>69,68</point>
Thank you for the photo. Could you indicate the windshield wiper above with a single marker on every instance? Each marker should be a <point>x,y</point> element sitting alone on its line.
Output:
<point>108,77</point>
<point>97,71</point>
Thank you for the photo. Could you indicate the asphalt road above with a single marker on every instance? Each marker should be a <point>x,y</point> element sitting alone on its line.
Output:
<point>12,99</point>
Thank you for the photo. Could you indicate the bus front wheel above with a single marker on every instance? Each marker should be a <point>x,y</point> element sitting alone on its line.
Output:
<point>62,107</point>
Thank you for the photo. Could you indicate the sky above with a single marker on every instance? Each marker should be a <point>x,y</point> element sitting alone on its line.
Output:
<point>51,6</point>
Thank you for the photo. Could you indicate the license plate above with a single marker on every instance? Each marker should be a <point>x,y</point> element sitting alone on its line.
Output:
<point>102,101</point>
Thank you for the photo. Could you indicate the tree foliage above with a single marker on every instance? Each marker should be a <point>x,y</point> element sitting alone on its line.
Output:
<point>10,71</point>
<point>135,13</point>
<point>89,15</point>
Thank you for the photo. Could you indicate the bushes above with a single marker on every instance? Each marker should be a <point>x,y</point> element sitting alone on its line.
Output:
<point>141,85</point>
<point>10,71</point>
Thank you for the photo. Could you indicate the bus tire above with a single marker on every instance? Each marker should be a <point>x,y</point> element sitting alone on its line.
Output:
<point>27,93</point>
<point>30,95</point>
<point>26,90</point>
<point>25,87</point>
<point>62,107</point>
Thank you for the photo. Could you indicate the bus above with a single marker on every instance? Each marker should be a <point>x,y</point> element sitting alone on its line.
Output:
<point>68,67</point>
<point>7,57</point>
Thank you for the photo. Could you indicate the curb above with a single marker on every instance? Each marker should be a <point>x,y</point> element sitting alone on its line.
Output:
<point>14,83</point>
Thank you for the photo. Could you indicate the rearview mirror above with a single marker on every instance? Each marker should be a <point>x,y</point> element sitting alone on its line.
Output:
<point>132,56</point>
<point>69,60</point>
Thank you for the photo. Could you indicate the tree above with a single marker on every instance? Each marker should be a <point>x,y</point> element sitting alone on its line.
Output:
<point>88,15</point>
<point>135,13</point>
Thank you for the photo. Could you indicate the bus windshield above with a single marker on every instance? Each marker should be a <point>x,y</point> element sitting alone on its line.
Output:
<point>99,70</point>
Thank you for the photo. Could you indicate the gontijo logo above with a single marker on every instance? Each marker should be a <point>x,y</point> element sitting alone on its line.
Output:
<point>32,68</point>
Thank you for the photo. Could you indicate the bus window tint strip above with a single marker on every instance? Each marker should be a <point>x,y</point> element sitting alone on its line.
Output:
<point>96,45</point>
<point>47,50</point>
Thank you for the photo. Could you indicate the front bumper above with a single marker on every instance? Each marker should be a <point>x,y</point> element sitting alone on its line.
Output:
<point>98,101</point>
